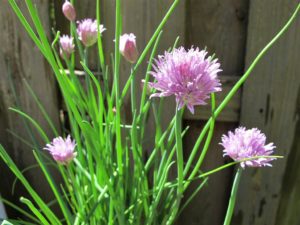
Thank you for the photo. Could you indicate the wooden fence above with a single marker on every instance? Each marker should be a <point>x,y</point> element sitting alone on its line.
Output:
<point>235,30</point>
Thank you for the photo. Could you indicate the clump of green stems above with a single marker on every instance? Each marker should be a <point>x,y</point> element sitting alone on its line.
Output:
<point>110,181</point>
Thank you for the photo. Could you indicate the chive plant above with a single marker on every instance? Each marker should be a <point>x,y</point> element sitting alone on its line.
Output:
<point>106,178</point>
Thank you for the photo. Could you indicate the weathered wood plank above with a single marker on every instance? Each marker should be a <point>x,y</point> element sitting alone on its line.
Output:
<point>230,114</point>
<point>270,103</point>
<point>208,206</point>
<point>20,58</point>
<point>288,212</point>
<point>219,25</point>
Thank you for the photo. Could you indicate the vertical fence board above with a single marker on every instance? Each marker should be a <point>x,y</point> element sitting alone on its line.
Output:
<point>288,212</point>
<point>221,27</point>
<point>20,58</point>
<point>269,103</point>
<point>208,206</point>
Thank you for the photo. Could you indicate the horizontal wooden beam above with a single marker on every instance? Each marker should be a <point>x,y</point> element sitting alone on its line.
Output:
<point>81,73</point>
<point>232,111</point>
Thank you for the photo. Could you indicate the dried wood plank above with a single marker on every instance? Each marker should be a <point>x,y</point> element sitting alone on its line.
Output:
<point>221,27</point>
<point>20,59</point>
<point>270,103</point>
<point>230,114</point>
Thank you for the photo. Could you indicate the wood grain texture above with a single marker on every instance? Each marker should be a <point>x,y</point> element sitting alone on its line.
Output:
<point>208,207</point>
<point>270,103</point>
<point>219,25</point>
<point>288,211</point>
<point>20,58</point>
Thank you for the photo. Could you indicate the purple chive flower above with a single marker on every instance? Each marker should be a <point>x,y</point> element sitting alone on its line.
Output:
<point>187,74</point>
<point>243,144</point>
<point>128,47</point>
<point>69,11</point>
<point>87,31</point>
<point>62,150</point>
<point>66,45</point>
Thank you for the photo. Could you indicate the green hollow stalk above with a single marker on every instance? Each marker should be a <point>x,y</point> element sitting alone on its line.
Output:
<point>35,210</point>
<point>147,76</point>
<point>39,202</point>
<point>179,151</point>
<point>100,45</point>
<point>77,41</point>
<point>117,87</point>
<point>133,95</point>
<point>61,203</point>
<point>119,148</point>
<point>220,168</point>
<point>232,199</point>
<point>206,145</point>
<point>237,86</point>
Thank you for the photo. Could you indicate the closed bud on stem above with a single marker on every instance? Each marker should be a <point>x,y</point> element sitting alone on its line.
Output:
<point>69,11</point>
<point>128,47</point>
<point>87,31</point>
<point>66,45</point>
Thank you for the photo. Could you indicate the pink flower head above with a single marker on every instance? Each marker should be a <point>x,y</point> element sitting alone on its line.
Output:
<point>87,31</point>
<point>243,144</point>
<point>128,47</point>
<point>62,150</point>
<point>66,45</point>
<point>69,11</point>
<point>187,74</point>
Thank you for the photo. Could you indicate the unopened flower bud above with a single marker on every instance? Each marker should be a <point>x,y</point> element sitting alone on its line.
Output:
<point>128,47</point>
<point>87,31</point>
<point>69,11</point>
<point>66,45</point>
